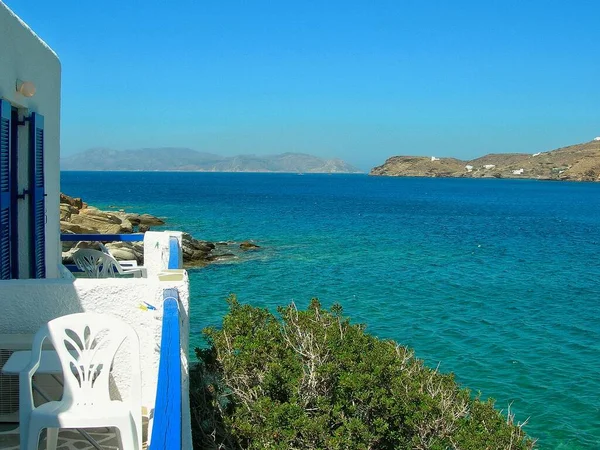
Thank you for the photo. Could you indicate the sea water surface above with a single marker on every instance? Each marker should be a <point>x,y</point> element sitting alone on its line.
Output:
<point>497,281</point>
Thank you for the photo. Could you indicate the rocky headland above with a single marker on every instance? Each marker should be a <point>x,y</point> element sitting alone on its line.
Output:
<point>579,162</point>
<point>77,217</point>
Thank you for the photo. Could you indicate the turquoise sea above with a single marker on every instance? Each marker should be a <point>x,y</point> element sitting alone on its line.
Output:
<point>497,281</point>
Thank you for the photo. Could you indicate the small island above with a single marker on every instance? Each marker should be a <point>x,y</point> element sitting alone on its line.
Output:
<point>580,162</point>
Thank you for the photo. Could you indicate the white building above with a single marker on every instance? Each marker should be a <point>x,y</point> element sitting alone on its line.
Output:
<point>433,158</point>
<point>518,172</point>
<point>30,164</point>
<point>489,166</point>
<point>469,168</point>
<point>597,138</point>
<point>32,290</point>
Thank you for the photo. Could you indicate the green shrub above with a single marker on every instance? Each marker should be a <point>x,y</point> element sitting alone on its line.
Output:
<point>312,380</point>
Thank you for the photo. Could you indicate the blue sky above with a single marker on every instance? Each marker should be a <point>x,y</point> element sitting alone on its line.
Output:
<point>358,80</point>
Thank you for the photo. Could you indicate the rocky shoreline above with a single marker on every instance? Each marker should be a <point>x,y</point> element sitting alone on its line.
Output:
<point>77,217</point>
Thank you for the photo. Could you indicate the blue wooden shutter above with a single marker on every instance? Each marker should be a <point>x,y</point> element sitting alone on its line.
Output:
<point>5,190</point>
<point>37,195</point>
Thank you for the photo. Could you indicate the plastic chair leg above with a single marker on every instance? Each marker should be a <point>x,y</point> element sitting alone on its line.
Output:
<point>33,438</point>
<point>23,441</point>
<point>51,438</point>
<point>127,440</point>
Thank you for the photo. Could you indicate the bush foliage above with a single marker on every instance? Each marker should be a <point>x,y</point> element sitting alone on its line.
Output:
<point>312,380</point>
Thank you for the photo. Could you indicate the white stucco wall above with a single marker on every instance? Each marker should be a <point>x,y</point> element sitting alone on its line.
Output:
<point>26,57</point>
<point>157,251</point>
<point>27,304</point>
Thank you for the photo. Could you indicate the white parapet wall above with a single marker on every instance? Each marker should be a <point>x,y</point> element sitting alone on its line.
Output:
<point>28,304</point>
<point>157,251</point>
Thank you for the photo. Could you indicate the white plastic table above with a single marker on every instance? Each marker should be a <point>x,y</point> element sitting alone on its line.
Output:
<point>17,362</point>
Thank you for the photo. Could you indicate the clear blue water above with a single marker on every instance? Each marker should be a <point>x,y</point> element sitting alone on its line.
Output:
<point>497,281</point>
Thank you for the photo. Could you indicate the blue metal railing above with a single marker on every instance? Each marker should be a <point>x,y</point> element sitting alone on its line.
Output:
<point>166,431</point>
<point>174,250</point>
<point>102,237</point>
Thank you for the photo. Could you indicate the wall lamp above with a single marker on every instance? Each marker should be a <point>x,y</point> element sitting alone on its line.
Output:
<point>25,88</point>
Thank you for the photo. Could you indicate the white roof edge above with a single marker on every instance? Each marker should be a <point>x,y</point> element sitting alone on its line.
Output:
<point>28,28</point>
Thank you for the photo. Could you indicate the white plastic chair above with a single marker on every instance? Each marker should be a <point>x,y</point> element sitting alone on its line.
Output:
<point>97,264</point>
<point>125,263</point>
<point>86,344</point>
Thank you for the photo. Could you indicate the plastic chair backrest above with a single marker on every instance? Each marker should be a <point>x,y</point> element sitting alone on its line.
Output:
<point>96,263</point>
<point>103,248</point>
<point>86,344</point>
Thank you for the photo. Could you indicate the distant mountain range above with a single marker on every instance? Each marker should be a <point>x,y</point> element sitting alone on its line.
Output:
<point>185,159</point>
<point>579,162</point>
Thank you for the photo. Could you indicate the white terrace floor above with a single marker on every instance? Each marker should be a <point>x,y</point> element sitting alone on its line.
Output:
<point>67,439</point>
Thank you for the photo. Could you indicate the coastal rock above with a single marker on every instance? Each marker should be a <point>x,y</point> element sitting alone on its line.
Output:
<point>127,251</point>
<point>220,256</point>
<point>147,219</point>
<point>90,220</point>
<point>196,252</point>
<point>72,201</point>
<point>247,245</point>
<point>102,215</point>
<point>66,211</point>
<point>98,224</point>
<point>69,227</point>
<point>144,219</point>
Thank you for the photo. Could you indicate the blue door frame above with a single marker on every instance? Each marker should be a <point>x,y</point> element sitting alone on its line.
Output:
<point>6,175</point>
<point>14,167</point>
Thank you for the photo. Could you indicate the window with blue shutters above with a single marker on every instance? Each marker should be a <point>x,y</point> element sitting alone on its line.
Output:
<point>5,190</point>
<point>37,195</point>
<point>8,193</point>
